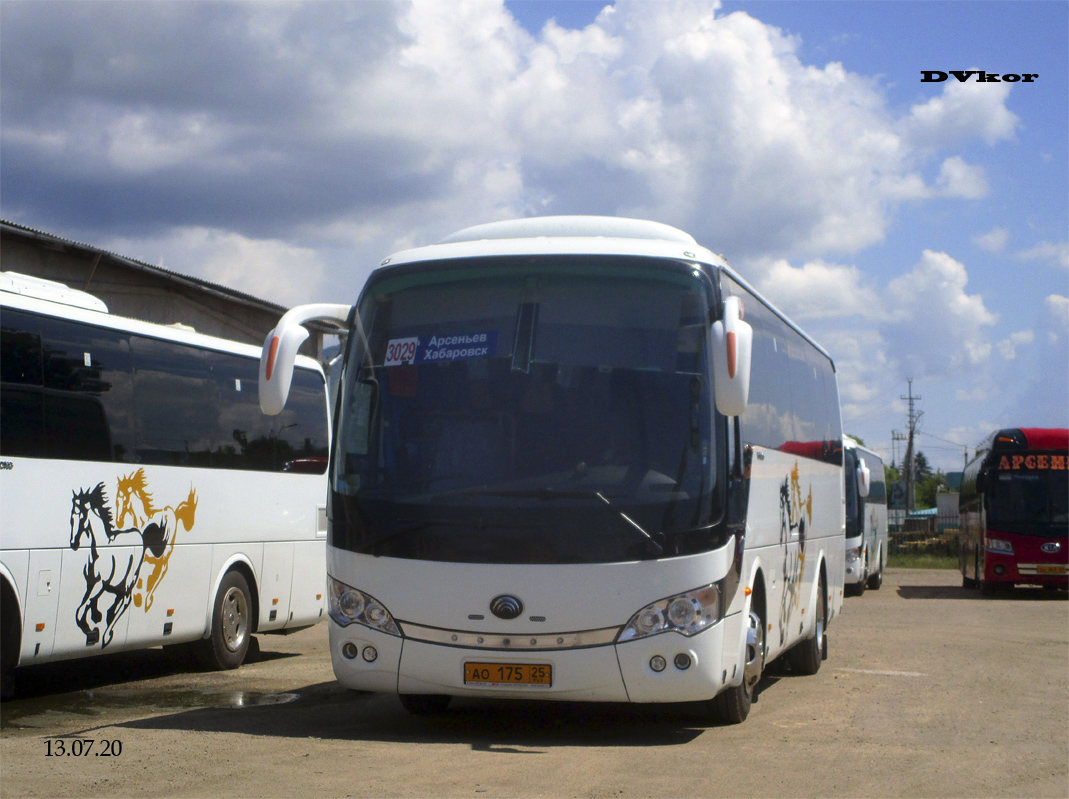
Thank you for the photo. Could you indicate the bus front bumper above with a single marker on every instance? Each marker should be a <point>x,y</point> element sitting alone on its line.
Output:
<point>693,667</point>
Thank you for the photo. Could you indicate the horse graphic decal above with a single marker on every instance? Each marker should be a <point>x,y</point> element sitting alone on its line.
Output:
<point>795,516</point>
<point>111,574</point>
<point>135,502</point>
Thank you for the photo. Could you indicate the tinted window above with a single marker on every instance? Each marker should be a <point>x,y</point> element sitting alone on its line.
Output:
<point>87,392</point>
<point>878,487</point>
<point>768,421</point>
<point>21,409</point>
<point>175,404</point>
<point>853,518</point>
<point>80,392</point>
<point>794,402</point>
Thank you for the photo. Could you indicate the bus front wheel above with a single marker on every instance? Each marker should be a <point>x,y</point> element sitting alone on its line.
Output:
<point>733,705</point>
<point>876,580</point>
<point>231,624</point>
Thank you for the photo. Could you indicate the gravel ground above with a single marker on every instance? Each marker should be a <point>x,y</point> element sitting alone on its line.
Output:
<point>929,690</point>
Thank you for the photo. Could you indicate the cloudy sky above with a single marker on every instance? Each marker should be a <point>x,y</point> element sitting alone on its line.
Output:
<point>916,229</point>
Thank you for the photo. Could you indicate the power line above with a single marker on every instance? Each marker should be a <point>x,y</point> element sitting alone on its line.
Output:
<point>957,444</point>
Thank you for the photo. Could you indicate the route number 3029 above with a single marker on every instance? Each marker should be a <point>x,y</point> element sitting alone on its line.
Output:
<point>401,350</point>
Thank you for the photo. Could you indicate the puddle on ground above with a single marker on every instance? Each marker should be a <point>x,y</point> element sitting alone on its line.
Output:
<point>48,711</point>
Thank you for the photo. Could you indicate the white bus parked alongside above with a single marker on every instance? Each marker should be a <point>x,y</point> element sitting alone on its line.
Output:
<point>866,518</point>
<point>575,458</point>
<point>144,497</point>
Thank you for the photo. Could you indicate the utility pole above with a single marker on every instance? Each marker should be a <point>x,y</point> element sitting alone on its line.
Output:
<point>914,419</point>
<point>895,438</point>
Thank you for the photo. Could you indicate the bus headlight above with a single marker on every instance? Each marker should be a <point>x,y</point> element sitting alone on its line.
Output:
<point>852,554</point>
<point>347,606</point>
<point>688,613</point>
<point>998,545</point>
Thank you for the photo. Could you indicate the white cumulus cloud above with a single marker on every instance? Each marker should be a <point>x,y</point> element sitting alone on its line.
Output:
<point>959,179</point>
<point>1007,348</point>
<point>938,327</point>
<point>1055,253</point>
<point>818,290</point>
<point>962,111</point>
<point>994,240</point>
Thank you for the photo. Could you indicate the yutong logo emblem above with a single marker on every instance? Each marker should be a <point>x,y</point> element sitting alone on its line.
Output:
<point>1053,546</point>
<point>506,607</point>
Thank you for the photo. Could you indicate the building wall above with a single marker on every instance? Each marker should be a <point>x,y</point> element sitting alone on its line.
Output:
<point>139,294</point>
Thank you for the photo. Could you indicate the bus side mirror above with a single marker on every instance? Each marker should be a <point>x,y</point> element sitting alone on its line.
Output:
<point>981,481</point>
<point>280,350</point>
<point>864,478</point>
<point>732,348</point>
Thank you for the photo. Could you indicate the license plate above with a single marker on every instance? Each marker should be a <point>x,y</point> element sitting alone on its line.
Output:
<point>1045,569</point>
<point>508,674</point>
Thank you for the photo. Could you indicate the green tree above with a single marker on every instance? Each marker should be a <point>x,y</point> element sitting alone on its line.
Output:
<point>922,470</point>
<point>926,489</point>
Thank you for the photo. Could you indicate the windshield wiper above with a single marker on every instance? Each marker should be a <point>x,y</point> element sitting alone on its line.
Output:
<point>652,544</point>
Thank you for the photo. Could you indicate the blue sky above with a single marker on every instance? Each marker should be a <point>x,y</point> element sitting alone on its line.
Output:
<point>917,230</point>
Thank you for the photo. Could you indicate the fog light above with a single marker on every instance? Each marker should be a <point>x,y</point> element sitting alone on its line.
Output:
<point>657,663</point>
<point>369,654</point>
<point>1000,570</point>
<point>682,661</point>
<point>349,650</point>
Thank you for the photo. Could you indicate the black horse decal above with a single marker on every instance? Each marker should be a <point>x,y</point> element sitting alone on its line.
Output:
<point>110,575</point>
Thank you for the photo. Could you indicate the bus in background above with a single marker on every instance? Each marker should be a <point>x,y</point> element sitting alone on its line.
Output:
<point>146,499</point>
<point>866,518</point>
<point>1014,506</point>
<point>575,458</point>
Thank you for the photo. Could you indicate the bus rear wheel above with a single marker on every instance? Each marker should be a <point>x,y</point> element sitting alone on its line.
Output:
<point>425,704</point>
<point>806,655</point>
<point>733,705</point>
<point>231,625</point>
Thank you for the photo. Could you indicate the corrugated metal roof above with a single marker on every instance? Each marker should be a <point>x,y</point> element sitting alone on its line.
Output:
<point>195,282</point>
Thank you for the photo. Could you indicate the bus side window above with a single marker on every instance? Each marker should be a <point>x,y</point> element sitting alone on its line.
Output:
<point>87,392</point>
<point>768,421</point>
<point>21,399</point>
<point>303,425</point>
<point>175,403</point>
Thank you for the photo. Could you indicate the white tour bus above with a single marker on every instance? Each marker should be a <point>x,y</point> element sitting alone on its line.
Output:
<point>866,518</point>
<point>146,499</point>
<point>575,458</point>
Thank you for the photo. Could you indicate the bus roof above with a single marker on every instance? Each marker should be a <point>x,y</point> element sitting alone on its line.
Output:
<point>58,300</point>
<point>50,290</point>
<point>610,227</point>
<point>563,235</point>
<point>581,235</point>
<point>1011,438</point>
<point>1046,437</point>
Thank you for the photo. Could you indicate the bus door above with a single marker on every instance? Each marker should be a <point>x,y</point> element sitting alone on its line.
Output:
<point>41,604</point>
<point>276,577</point>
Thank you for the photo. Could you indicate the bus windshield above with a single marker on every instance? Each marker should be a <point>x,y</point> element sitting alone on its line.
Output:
<point>1028,502</point>
<point>529,410</point>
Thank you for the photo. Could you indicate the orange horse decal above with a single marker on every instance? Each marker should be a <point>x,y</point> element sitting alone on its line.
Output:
<point>134,502</point>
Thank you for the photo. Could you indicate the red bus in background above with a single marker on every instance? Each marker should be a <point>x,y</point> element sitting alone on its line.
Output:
<point>1014,506</point>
